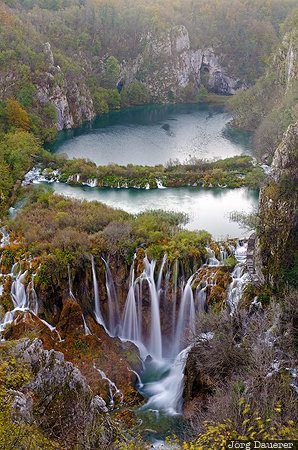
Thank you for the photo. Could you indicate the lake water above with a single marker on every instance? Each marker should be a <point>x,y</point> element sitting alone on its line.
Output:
<point>154,134</point>
<point>208,209</point>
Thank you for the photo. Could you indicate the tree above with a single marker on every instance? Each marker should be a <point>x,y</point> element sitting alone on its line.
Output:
<point>18,149</point>
<point>111,74</point>
<point>17,116</point>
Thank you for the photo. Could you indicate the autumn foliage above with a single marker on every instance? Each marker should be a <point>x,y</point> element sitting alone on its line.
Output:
<point>17,116</point>
<point>6,20</point>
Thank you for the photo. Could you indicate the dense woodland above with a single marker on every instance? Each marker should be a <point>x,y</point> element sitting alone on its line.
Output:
<point>90,39</point>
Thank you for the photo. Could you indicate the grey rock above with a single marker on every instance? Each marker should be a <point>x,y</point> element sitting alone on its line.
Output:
<point>98,404</point>
<point>286,155</point>
<point>21,406</point>
<point>178,64</point>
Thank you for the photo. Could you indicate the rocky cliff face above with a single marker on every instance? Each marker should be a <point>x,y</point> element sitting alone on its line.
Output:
<point>72,99</point>
<point>277,244</point>
<point>286,60</point>
<point>168,63</point>
<point>56,398</point>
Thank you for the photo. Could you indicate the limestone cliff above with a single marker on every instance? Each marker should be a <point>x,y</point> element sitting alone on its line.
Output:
<point>277,244</point>
<point>286,61</point>
<point>168,63</point>
<point>56,398</point>
<point>72,99</point>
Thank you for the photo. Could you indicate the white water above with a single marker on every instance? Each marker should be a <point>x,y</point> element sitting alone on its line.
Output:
<point>112,387</point>
<point>155,342</point>
<point>130,327</point>
<point>23,300</point>
<point>186,317</point>
<point>240,278</point>
<point>112,301</point>
<point>166,394</point>
<point>98,314</point>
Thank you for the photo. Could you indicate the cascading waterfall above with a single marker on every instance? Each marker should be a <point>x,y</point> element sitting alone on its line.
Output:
<point>5,237</point>
<point>186,316</point>
<point>188,297</point>
<point>114,315</point>
<point>174,307</point>
<point>32,296</point>
<point>183,309</point>
<point>130,327</point>
<point>23,299</point>
<point>239,278</point>
<point>69,285</point>
<point>98,314</point>
<point>18,293</point>
<point>155,342</point>
<point>132,314</point>
<point>166,394</point>
<point>112,387</point>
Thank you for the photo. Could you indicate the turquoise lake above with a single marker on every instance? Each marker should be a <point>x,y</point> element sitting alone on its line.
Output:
<point>155,134</point>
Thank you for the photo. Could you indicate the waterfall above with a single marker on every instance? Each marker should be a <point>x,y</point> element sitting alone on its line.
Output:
<point>69,285</point>
<point>175,276</point>
<point>132,314</point>
<point>18,293</point>
<point>158,286</point>
<point>51,328</point>
<point>98,314</point>
<point>23,300</point>
<point>130,326</point>
<point>32,296</point>
<point>86,329</point>
<point>113,306</point>
<point>112,387</point>
<point>201,296</point>
<point>239,278</point>
<point>212,260</point>
<point>5,237</point>
<point>139,288</point>
<point>186,317</point>
<point>138,377</point>
<point>166,394</point>
<point>155,342</point>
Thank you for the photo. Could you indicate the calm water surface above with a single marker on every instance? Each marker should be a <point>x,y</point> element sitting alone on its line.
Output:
<point>150,135</point>
<point>154,134</point>
<point>208,209</point>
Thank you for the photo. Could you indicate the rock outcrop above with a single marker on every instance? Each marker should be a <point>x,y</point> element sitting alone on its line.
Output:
<point>165,65</point>
<point>101,359</point>
<point>286,60</point>
<point>168,63</point>
<point>277,243</point>
<point>56,398</point>
<point>72,99</point>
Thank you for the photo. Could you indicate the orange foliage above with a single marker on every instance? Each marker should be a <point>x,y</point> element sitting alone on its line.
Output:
<point>17,116</point>
<point>6,19</point>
